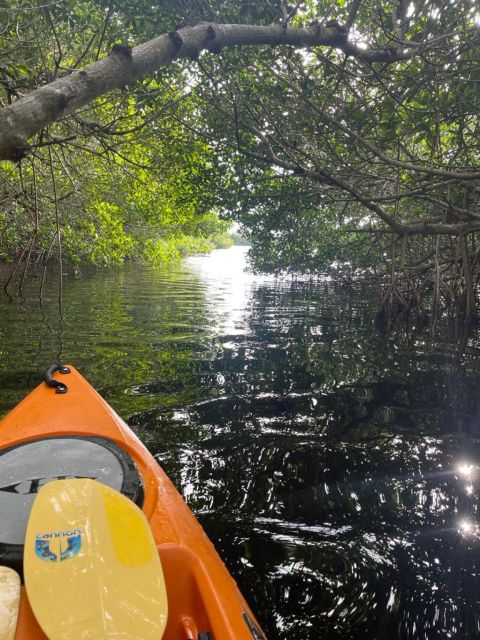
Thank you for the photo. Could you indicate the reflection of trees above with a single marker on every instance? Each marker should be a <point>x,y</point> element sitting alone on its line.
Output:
<point>318,454</point>
<point>324,469</point>
<point>124,328</point>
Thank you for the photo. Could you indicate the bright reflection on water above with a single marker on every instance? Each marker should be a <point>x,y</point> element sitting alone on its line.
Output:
<point>335,470</point>
<point>228,287</point>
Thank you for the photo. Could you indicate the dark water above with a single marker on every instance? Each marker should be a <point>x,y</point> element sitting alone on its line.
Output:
<point>321,458</point>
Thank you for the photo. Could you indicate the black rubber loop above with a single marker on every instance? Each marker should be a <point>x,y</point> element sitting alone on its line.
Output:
<point>60,387</point>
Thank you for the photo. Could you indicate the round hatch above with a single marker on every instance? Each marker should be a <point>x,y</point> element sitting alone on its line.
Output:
<point>26,467</point>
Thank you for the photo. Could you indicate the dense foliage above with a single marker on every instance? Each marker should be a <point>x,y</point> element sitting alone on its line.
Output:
<point>370,166</point>
<point>325,156</point>
<point>128,182</point>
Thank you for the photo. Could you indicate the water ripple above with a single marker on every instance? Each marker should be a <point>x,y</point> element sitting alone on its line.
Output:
<point>337,471</point>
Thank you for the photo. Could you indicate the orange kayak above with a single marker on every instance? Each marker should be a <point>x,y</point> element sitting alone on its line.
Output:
<point>67,430</point>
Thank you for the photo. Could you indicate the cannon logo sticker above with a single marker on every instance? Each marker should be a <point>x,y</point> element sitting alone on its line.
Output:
<point>55,546</point>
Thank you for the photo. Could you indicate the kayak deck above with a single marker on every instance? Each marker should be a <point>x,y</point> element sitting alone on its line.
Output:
<point>203,599</point>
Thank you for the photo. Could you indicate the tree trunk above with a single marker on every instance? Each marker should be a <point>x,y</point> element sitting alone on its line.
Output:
<point>30,114</point>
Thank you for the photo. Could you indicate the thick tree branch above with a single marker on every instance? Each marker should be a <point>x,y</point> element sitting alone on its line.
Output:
<point>28,115</point>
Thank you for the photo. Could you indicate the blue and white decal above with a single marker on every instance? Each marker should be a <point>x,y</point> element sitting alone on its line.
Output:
<point>55,546</point>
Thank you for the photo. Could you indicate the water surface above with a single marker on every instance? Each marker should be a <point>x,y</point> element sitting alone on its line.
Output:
<point>321,457</point>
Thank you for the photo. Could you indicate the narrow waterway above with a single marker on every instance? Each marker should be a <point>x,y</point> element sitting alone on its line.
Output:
<point>334,469</point>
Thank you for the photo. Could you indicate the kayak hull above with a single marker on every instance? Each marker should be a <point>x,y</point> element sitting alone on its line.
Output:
<point>202,596</point>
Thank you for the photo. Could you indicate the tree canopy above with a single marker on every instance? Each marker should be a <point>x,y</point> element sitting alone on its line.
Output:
<point>336,133</point>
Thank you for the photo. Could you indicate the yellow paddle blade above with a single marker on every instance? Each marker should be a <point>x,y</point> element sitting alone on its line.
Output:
<point>9,602</point>
<point>92,570</point>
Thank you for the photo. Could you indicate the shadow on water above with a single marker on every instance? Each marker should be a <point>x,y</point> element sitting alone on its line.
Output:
<point>321,458</point>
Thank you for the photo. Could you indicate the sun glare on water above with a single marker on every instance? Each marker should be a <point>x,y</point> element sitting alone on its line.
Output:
<point>467,528</point>
<point>466,470</point>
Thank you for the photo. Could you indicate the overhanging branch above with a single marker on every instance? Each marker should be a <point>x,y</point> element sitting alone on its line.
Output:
<point>31,113</point>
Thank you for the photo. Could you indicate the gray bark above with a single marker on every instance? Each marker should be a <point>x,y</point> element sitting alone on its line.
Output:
<point>30,114</point>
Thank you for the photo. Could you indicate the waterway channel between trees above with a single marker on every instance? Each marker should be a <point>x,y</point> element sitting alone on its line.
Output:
<point>334,468</point>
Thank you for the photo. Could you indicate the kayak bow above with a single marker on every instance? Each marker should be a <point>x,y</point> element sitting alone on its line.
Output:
<point>58,434</point>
